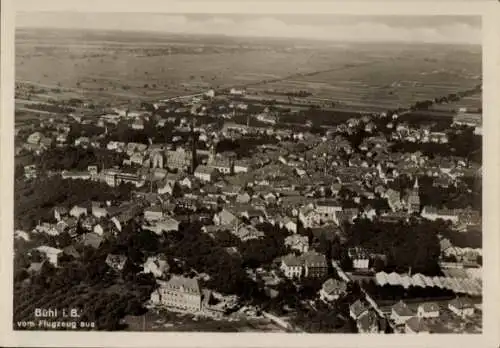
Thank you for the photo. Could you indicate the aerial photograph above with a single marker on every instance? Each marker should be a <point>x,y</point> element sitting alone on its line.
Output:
<point>248,173</point>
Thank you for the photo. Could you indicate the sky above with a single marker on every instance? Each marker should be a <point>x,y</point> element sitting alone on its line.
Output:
<point>346,28</point>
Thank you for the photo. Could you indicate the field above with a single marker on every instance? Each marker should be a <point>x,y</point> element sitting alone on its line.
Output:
<point>122,67</point>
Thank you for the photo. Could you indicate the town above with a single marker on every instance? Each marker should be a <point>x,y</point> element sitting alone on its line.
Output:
<point>203,205</point>
<point>224,184</point>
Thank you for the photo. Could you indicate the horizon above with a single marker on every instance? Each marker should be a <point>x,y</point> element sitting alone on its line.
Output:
<point>461,30</point>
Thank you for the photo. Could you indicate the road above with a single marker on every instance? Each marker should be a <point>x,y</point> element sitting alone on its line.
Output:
<point>368,298</point>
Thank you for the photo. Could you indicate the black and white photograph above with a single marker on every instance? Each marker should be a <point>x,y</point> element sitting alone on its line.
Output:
<point>247,173</point>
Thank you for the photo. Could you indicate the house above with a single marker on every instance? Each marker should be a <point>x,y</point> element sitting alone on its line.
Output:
<point>247,232</point>
<point>52,254</point>
<point>393,199</point>
<point>400,313</point>
<point>77,211</point>
<point>70,250</point>
<point>222,165</point>
<point>98,229</point>
<point>428,310</point>
<point>241,166</point>
<point>186,182</point>
<point>156,266</point>
<point>315,265</point>
<point>47,228</point>
<point>168,188</point>
<point>116,262</point>
<point>461,307</point>
<point>60,212</point>
<point>346,216</point>
<point>138,124</point>
<point>289,224</point>
<point>153,213</point>
<point>34,138</point>
<point>416,325</point>
<point>243,198</point>
<point>88,222</point>
<point>163,225</point>
<point>357,309</point>
<point>332,289</point>
<point>308,217</point>
<point>205,173</point>
<point>225,217</point>
<point>368,322</point>
<point>297,242</point>
<point>178,292</point>
<point>99,212</point>
<point>432,213</point>
<point>326,209</point>
<point>254,214</point>
<point>360,258</point>
<point>92,239</point>
<point>291,266</point>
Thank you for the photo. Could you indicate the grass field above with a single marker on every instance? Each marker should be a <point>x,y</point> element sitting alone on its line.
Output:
<point>128,66</point>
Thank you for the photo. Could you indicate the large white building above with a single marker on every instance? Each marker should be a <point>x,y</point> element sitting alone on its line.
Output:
<point>178,292</point>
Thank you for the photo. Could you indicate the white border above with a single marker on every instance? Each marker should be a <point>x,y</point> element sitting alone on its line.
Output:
<point>491,194</point>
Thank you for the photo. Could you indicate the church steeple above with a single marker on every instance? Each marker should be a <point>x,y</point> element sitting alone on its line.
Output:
<point>414,199</point>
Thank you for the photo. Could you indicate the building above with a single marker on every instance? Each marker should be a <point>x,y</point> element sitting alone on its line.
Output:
<point>247,232</point>
<point>156,266</point>
<point>297,242</point>
<point>309,217</point>
<point>289,224</point>
<point>154,213</point>
<point>77,211</point>
<point>357,309</point>
<point>315,265</point>
<point>360,258</point>
<point>332,289</point>
<point>99,212</point>
<point>138,124</point>
<point>241,166</point>
<point>368,322</point>
<point>428,310</point>
<point>326,209</point>
<point>115,177</point>
<point>205,173</point>
<point>179,159</point>
<point>461,307</point>
<point>413,203</point>
<point>393,199</point>
<point>157,160</point>
<point>163,225</point>
<point>292,266</point>
<point>52,254</point>
<point>432,213</point>
<point>401,313</point>
<point>416,325</point>
<point>178,292</point>
<point>34,138</point>
<point>225,217</point>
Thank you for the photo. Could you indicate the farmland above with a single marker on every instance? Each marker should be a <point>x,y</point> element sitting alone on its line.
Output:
<point>123,67</point>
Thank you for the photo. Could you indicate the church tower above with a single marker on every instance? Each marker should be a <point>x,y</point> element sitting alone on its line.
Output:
<point>212,154</point>
<point>414,199</point>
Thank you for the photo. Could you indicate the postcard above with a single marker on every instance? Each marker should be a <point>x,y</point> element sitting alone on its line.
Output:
<point>250,173</point>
